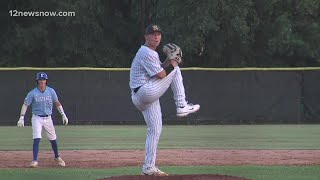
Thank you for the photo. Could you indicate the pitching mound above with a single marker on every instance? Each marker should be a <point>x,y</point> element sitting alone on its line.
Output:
<point>177,177</point>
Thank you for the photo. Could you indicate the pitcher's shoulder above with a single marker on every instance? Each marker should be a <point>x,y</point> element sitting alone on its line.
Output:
<point>147,51</point>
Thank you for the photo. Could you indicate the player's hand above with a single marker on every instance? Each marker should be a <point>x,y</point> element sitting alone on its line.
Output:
<point>65,120</point>
<point>20,123</point>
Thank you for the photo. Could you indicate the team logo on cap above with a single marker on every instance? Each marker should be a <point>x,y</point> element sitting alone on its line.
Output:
<point>155,28</point>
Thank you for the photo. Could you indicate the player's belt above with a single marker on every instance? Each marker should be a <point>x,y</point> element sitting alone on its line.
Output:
<point>43,115</point>
<point>135,90</point>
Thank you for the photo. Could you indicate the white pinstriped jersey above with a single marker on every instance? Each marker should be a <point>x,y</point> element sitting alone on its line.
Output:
<point>144,66</point>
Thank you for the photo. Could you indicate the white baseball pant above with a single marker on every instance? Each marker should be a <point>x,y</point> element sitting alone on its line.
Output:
<point>43,122</point>
<point>147,101</point>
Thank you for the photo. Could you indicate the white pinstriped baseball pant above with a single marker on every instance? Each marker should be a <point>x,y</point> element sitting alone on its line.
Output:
<point>147,101</point>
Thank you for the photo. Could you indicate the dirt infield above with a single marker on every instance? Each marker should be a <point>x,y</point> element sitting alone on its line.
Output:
<point>178,157</point>
<point>178,177</point>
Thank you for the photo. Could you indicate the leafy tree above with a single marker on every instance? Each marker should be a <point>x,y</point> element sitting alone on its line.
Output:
<point>211,33</point>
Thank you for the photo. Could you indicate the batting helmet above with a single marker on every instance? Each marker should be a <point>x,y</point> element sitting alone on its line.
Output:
<point>41,76</point>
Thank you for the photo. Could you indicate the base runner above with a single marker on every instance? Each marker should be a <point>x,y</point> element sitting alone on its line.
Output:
<point>149,80</point>
<point>42,99</point>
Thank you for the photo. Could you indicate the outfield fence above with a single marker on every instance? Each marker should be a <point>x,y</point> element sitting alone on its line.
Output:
<point>226,96</point>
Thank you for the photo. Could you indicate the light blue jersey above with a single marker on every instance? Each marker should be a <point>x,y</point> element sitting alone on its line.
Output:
<point>41,102</point>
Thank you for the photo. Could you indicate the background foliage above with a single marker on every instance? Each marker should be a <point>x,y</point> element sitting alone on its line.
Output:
<point>211,33</point>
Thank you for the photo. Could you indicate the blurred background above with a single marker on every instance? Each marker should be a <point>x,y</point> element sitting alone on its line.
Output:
<point>211,33</point>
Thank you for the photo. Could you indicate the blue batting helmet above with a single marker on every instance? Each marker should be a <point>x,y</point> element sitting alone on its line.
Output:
<point>41,76</point>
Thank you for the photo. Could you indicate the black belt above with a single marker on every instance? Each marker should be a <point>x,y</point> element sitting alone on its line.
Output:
<point>43,115</point>
<point>135,90</point>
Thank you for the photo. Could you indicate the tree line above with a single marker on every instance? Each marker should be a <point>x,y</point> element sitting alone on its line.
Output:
<point>211,33</point>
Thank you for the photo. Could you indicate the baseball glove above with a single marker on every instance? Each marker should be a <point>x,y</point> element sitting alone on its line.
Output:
<point>173,52</point>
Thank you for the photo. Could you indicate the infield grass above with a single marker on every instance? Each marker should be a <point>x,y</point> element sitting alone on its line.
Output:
<point>206,137</point>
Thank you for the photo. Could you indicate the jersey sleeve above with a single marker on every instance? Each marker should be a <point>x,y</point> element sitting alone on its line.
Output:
<point>29,98</point>
<point>54,95</point>
<point>152,64</point>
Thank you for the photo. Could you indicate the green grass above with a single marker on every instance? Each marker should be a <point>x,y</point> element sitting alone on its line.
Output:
<point>251,172</point>
<point>207,137</point>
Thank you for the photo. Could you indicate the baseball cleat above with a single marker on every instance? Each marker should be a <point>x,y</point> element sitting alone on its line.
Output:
<point>153,172</point>
<point>34,164</point>
<point>188,109</point>
<point>60,162</point>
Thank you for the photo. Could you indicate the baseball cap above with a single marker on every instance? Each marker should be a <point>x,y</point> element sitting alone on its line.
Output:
<point>153,28</point>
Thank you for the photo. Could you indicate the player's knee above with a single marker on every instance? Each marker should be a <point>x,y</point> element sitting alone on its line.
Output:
<point>36,136</point>
<point>155,130</point>
<point>51,137</point>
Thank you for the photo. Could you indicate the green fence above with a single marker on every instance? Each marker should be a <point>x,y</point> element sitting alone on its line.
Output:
<point>226,96</point>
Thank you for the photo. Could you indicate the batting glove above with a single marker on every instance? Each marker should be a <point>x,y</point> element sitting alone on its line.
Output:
<point>20,123</point>
<point>65,120</point>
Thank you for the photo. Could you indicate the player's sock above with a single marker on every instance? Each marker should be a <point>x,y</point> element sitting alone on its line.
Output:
<point>35,148</point>
<point>55,148</point>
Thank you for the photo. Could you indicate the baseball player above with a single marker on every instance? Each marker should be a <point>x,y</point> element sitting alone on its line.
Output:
<point>149,80</point>
<point>42,99</point>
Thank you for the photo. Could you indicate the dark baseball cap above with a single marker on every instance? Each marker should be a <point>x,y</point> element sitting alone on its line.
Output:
<point>153,28</point>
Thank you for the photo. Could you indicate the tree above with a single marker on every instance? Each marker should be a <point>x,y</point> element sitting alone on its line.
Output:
<point>211,33</point>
